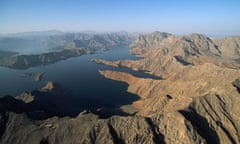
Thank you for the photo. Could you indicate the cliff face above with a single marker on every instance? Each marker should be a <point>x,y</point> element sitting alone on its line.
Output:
<point>196,101</point>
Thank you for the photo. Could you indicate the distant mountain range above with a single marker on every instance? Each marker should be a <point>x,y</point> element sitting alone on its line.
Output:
<point>41,48</point>
<point>32,33</point>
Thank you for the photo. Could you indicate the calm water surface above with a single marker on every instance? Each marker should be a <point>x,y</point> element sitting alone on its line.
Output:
<point>78,76</point>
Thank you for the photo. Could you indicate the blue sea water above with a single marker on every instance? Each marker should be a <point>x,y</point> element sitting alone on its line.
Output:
<point>79,76</point>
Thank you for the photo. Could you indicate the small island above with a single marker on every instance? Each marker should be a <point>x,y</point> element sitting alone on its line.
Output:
<point>37,76</point>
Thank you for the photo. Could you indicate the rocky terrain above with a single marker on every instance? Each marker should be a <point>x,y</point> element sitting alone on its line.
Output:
<point>49,115</point>
<point>196,101</point>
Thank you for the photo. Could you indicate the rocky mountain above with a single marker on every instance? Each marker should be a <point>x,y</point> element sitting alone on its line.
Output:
<point>229,46</point>
<point>171,53</point>
<point>57,47</point>
<point>196,101</point>
<point>49,116</point>
<point>103,41</point>
<point>27,61</point>
<point>150,40</point>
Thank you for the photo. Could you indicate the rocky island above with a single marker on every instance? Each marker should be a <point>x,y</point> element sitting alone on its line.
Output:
<point>36,76</point>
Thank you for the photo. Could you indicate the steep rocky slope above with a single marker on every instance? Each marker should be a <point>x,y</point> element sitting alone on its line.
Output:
<point>198,98</point>
<point>229,46</point>
<point>173,53</point>
<point>47,116</point>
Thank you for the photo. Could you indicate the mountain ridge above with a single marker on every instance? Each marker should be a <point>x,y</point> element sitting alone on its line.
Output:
<point>199,89</point>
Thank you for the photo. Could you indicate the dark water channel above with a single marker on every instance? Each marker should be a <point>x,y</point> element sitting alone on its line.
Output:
<point>79,77</point>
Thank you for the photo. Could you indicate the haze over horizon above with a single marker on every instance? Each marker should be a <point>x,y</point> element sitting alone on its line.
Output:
<point>177,17</point>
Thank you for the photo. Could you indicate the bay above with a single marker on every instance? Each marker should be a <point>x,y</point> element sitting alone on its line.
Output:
<point>78,76</point>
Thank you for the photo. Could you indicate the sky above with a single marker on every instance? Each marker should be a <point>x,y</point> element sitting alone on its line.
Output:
<point>213,17</point>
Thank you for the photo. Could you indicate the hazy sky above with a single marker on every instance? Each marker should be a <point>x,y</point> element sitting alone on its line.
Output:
<point>216,17</point>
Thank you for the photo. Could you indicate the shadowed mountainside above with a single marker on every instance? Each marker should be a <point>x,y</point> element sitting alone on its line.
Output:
<point>52,116</point>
